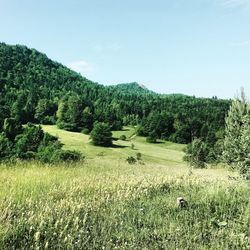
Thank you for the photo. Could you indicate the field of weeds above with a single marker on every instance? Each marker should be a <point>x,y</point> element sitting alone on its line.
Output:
<point>104,204</point>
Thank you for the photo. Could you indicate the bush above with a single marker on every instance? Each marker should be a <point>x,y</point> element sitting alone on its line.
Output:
<point>123,137</point>
<point>29,141</point>
<point>69,155</point>
<point>12,128</point>
<point>33,143</point>
<point>48,151</point>
<point>6,147</point>
<point>86,131</point>
<point>50,139</point>
<point>138,156</point>
<point>131,160</point>
<point>101,135</point>
<point>152,138</point>
<point>50,120</point>
<point>196,153</point>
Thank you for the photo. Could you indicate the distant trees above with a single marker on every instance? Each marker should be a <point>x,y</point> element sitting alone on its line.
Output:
<point>72,115</point>
<point>35,89</point>
<point>45,112</point>
<point>101,134</point>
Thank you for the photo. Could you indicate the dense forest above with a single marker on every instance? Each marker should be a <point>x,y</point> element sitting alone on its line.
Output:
<point>35,89</point>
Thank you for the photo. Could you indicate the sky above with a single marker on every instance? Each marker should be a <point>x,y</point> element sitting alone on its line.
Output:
<point>194,47</point>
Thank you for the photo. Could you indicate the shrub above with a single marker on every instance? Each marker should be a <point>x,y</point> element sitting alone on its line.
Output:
<point>152,138</point>
<point>50,139</point>
<point>86,131</point>
<point>123,137</point>
<point>131,160</point>
<point>6,147</point>
<point>101,134</point>
<point>48,151</point>
<point>138,156</point>
<point>29,140</point>
<point>196,153</point>
<point>12,128</point>
<point>68,155</point>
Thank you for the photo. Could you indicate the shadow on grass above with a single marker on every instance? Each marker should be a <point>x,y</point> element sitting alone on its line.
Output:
<point>157,142</point>
<point>118,146</point>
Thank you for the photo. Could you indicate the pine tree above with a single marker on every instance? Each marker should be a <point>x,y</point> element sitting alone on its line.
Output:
<point>101,134</point>
<point>237,133</point>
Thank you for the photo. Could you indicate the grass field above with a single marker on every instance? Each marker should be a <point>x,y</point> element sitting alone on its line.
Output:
<point>161,152</point>
<point>105,203</point>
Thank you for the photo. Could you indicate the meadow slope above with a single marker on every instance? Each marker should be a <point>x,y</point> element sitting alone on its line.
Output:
<point>106,203</point>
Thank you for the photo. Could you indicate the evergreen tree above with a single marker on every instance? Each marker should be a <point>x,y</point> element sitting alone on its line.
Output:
<point>237,135</point>
<point>12,128</point>
<point>45,111</point>
<point>101,134</point>
<point>5,147</point>
<point>233,132</point>
<point>196,153</point>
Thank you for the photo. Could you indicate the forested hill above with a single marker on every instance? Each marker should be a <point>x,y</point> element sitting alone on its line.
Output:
<point>34,88</point>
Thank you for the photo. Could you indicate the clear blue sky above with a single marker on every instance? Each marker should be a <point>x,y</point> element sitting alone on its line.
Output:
<point>195,47</point>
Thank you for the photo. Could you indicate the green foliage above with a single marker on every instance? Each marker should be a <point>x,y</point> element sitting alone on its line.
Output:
<point>45,111</point>
<point>138,156</point>
<point>33,143</point>
<point>101,135</point>
<point>72,115</point>
<point>6,147</point>
<point>131,160</point>
<point>123,137</point>
<point>196,153</point>
<point>152,138</point>
<point>53,154</point>
<point>68,155</point>
<point>28,142</point>
<point>49,153</point>
<point>85,131</point>
<point>33,86</point>
<point>12,128</point>
<point>237,136</point>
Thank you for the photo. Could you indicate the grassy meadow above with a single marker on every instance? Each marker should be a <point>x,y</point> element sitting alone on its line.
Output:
<point>105,203</point>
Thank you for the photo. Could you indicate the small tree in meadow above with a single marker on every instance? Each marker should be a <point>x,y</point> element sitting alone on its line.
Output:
<point>101,135</point>
<point>196,153</point>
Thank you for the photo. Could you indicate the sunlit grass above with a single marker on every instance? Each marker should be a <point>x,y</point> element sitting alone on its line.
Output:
<point>161,152</point>
<point>105,203</point>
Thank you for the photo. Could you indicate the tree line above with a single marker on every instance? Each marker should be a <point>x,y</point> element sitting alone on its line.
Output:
<point>35,89</point>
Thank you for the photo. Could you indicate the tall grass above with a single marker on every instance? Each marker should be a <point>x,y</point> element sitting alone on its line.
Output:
<point>112,205</point>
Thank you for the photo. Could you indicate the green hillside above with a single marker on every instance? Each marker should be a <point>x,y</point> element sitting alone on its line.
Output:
<point>53,198</point>
<point>34,88</point>
<point>162,152</point>
<point>166,157</point>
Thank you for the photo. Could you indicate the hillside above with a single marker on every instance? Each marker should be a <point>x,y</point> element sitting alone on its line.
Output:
<point>33,88</point>
<point>105,200</point>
